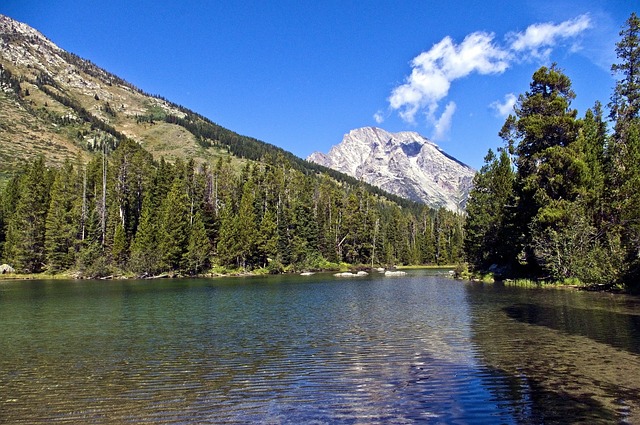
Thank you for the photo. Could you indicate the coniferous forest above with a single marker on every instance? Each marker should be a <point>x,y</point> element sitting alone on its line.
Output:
<point>561,200</point>
<point>124,213</point>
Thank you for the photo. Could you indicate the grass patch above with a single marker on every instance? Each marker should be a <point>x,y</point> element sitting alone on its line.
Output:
<point>532,283</point>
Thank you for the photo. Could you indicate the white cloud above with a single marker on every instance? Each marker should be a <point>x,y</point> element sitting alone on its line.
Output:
<point>505,108</point>
<point>433,71</point>
<point>378,117</point>
<point>443,124</point>
<point>538,39</point>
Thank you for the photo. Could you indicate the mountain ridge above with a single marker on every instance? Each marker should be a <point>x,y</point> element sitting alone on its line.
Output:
<point>58,105</point>
<point>405,163</point>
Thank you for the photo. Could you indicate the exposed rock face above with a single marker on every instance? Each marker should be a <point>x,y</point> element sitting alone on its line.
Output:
<point>405,163</point>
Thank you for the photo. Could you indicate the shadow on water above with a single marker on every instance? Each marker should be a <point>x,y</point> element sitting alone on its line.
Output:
<point>565,357</point>
<point>532,402</point>
<point>615,329</point>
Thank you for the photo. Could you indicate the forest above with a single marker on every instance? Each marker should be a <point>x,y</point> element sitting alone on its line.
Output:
<point>126,214</point>
<point>560,200</point>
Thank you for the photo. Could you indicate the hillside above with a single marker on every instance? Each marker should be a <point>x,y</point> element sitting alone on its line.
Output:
<point>60,105</point>
<point>56,104</point>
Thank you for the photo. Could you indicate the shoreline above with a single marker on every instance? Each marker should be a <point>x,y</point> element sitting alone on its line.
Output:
<point>543,284</point>
<point>209,275</point>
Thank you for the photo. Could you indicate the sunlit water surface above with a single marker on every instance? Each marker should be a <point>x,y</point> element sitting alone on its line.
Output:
<point>292,349</point>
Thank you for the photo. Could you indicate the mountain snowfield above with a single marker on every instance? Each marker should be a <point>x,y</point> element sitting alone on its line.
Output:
<point>405,163</point>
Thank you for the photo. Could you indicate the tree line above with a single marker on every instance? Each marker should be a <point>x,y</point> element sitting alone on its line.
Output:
<point>560,199</point>
<point>127,213</point>
<point>206,132</point>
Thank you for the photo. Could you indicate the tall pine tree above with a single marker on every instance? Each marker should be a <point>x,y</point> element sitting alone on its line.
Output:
<point>63,220</point>
<point>25,244</point>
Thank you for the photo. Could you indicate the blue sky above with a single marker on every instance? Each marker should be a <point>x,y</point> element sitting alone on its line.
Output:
<point>301,74</point>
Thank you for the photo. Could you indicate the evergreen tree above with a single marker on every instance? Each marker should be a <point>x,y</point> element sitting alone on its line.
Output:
<point>62,226</point>
<point>546,171</point>
<point>199,247</point>
<point>130,177</point>
<point>174,227</point>
<point>120,247</point>
<point>227,246</point>
<point>24,247</point>
<point>285,234</point>
<point>246,226</point>
<point>3,231</point>
<point>144,248</point>
<point>625,102</point>
<point>623,153</point>
<point>354,222</point>
<point>425,238</point>
<point>267,238</point>
<point>485,226</point>
<point>590,147</point>
<point>8,202</point>
<point>91,260</point>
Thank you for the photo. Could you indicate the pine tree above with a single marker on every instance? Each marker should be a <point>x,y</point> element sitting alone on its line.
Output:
<point>8,202</point>
<point>227,246</point>
<point>199,247</point>
<point>3,232</point>
<point>353,221</point>
<point>91,260</point>
<point>63,221</point>
<point>285,235</point>
<point>267,238</point>
<point>144,248</point>
<point>130,177</point>
<point>590,147</point>
<point>174,227</point>
<point>485,226</point>
<point>246,225</point>
<point>24,247</point>
<point>546,171</point>
<point>623,151</point>
<point>625,102</point>
<point>425,239</point>
<point>120,248</point>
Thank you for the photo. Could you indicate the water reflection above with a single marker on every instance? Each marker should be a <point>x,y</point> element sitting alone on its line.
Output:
<point>558,355</point>
<point>421,349</point>
<point>616,329</point>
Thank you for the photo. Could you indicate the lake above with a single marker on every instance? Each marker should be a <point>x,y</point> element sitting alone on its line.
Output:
<point>315,349</point>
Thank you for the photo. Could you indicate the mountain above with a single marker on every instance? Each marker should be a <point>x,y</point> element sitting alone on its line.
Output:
<point>405,164</point>
<point>58,105</point>
<point>63,107</point>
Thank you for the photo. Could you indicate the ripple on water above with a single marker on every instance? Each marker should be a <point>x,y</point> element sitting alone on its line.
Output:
<point>418,349</point>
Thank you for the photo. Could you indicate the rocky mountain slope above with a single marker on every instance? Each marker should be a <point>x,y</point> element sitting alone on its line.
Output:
<point>56,104</point>
<point>406,164</point>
